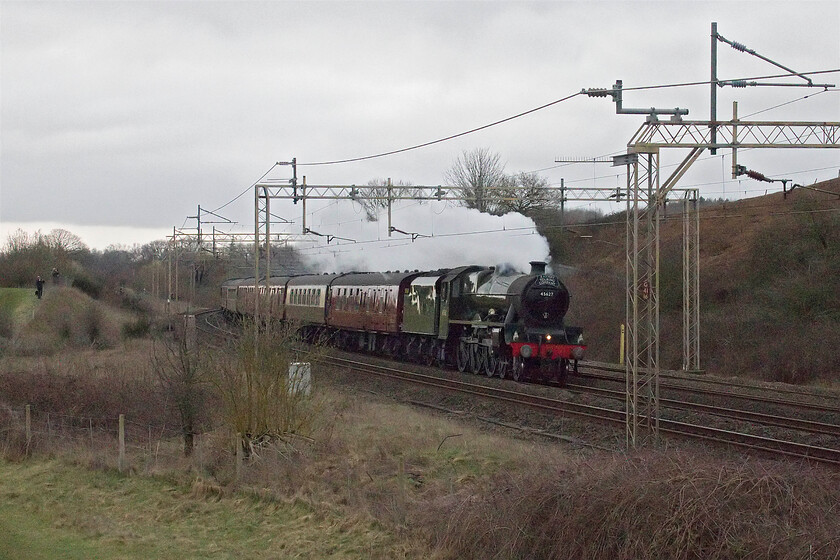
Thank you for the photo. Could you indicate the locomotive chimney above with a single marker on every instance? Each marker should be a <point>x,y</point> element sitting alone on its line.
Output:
<point>537,267</point>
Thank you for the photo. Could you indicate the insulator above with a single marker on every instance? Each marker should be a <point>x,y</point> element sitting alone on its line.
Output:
<point>738,83</point>
<point>758,176</point>
<point>597,92</point>
<point>739,46</point>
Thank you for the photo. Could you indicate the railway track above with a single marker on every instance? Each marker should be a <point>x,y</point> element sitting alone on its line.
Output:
<point>800,399</point>
<point>776,420</point>
<point>606,415</point>
<point>210,322</point>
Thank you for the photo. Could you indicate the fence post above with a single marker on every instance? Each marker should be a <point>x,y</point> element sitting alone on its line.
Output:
<point>121,461</point>
<point>28,427</point>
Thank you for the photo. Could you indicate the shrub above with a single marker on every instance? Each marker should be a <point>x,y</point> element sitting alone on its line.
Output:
<point>88,285</point>
<point>139,328</point>
<point>252,379</point>
<point>652,505</point>
<point>12,434</point>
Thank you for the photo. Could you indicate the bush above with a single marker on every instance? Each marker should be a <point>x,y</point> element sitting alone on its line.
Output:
<point>253,384</point>
<point>654,505</point>
<point>139,328</point>
<point>12,434</point>
<point>88,285</point>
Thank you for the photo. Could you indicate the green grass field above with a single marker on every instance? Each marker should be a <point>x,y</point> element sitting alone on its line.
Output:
<point>18,305</point>
<point>49,509</point>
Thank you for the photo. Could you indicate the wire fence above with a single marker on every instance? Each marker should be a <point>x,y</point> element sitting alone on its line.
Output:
<point>131,444</point>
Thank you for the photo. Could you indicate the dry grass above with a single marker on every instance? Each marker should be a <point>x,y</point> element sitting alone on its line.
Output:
<point>770,287</point>
<point>651,505</point>
<point>66,317</point>
<point>441,487</point>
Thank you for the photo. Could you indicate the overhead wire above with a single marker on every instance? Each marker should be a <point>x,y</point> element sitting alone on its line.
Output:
<point>810,95</point>
<point>519,115</point>
<point>251,186</point>
<point>528,230</point>
<point>444,139</point>
<point>545,106</point>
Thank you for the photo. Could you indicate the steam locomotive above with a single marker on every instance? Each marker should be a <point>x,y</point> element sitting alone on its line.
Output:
<point>479,319</point>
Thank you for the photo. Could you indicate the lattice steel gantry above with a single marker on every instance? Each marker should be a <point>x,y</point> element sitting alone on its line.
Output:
<point>643,217</point>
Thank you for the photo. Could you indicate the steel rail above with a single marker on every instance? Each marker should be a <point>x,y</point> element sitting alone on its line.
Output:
<point>815,407</point>
<point>606,415</point>
<point>809,426</point>
<point>717,435</point>
<point>204,325</point>
<point>801,391</point>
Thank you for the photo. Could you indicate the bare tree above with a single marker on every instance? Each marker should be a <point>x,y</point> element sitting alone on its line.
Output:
<point>260,401</point>
<point>154,250</point>
<point>61,240</point>
<point>376,197</point>
<point>181,372</point>
<point>524,193</point>
<point>476,175</point>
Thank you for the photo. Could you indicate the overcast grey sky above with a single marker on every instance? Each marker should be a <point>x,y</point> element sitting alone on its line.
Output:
<point>133,113</point>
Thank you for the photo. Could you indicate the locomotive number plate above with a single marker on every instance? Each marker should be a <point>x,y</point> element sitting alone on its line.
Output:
<point>547,294</point>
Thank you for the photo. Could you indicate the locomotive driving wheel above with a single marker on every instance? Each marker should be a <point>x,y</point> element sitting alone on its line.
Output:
<point>476,358</point>
<point>491,362</point>
<point>462,356</point>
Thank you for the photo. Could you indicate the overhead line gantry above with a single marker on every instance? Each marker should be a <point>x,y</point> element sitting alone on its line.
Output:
<point>646,196</point>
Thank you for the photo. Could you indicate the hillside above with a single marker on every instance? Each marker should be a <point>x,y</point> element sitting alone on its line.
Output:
<point>769,285</point>
<point>16,306</point>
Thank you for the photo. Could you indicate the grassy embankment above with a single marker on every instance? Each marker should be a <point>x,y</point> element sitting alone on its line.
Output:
<point>769,285</point>
<point>17,305</point>
<point>64,318</point>
<point>51,510</point>
<point>376,479</point>
<point>371,479</point>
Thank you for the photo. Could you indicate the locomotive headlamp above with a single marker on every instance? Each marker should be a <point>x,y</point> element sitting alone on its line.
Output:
<point>548,337</point>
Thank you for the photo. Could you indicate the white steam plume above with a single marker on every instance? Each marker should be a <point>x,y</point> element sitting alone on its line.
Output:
<point>445,236</point>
